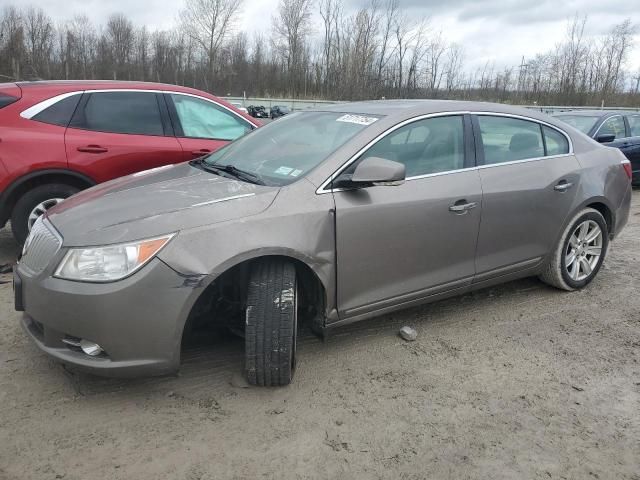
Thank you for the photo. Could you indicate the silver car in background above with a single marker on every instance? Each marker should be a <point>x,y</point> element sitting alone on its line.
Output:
<point>326,216</point>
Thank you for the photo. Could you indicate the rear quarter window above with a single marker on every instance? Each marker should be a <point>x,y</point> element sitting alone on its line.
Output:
<point>556,142</point>
<point>59,113</point>
<point>6,100</point>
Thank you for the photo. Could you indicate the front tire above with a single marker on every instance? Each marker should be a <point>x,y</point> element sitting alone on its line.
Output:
<point>34,203</point>
<point>271,323</point>
<point>580,252</point>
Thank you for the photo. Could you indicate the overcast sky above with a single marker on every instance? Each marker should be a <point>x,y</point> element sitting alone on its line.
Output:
<point>498,30</point>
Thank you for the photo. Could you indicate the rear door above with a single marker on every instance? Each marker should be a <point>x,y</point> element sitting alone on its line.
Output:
<point>116,133</point>
<point>529,181</point>
<point>398,244</point>
<point>203,126</point>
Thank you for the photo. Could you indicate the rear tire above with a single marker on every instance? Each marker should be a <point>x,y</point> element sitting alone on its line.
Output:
<point>574,263</point>
<point>43,195</point>
<point>271,323</point>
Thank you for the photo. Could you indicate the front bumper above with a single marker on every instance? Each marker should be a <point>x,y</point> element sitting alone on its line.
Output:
<point>138,321</point>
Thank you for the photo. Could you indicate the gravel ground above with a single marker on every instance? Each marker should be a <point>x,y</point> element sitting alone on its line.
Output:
<point>518,381</point>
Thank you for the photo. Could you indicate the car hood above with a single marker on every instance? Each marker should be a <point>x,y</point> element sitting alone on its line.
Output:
<point>155,202</point>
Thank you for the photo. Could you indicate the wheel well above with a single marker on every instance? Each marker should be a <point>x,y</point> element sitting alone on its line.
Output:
<point>16,191</point>
<point>223,302</point>
<point>605,212</point>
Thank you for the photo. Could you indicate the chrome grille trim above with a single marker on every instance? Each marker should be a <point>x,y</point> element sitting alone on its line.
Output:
<point>41,246</point>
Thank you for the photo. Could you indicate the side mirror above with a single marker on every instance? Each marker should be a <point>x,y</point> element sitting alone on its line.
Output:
<point>605,138</point>
<point>376,171</point>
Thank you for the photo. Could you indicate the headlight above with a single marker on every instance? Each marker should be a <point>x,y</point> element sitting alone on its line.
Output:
<point>110,262</point>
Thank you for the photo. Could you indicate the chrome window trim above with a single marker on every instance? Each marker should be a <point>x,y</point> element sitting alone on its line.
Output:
<point>595,134</point>
<point>323,188</point>
<point>34,110</point>
<point>525,160</point>
<point>39,107</point>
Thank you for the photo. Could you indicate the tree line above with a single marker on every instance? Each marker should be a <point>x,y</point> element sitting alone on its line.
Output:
<point>314,49</point>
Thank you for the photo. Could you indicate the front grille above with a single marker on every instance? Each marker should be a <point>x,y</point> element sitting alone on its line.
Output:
<point>40,247</point>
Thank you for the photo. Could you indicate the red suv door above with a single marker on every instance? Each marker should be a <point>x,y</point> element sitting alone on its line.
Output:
<point>203,126</point>
<point>115,133</point>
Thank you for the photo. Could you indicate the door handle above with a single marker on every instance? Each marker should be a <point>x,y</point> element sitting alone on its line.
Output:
<point>93,149</point>
<point>201,152</point>
<point>461,207</point>
<point>563,186</point>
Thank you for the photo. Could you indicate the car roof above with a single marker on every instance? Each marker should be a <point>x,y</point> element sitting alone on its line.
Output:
<point>62,86</point>
<point>43,89</point>
<point>589,113</point>
<point>410,108</point>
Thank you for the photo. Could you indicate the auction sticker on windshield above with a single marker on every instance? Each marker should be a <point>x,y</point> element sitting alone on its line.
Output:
<point>283,171</point>
<point>359,119</point>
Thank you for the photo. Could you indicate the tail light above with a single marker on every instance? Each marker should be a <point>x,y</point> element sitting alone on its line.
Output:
<point>6,99</point>
<point>626,164</point>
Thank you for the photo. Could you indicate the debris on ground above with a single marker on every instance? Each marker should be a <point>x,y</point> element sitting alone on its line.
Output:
<point>409,334</point>
<point>238,380</point>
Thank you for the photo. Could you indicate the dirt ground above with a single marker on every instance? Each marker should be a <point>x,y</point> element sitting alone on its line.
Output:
<point>516,382</point>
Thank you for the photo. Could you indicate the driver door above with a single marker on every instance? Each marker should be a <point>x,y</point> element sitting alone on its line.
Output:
<point>203,126</point>
<point>400,244</point>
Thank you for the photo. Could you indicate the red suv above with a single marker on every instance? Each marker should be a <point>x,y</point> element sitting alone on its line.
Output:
<point>59,137</point>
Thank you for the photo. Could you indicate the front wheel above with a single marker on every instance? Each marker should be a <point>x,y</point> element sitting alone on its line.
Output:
<point>580,252</point>
<point>271,323</point>
<point>33,204</point>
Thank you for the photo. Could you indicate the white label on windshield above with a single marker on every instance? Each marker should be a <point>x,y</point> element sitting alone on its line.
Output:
<point>359,119</point>
<point>295,173</point>
<point>284,171</point>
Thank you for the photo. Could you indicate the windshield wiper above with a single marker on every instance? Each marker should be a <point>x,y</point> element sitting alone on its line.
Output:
<point>233,171</point>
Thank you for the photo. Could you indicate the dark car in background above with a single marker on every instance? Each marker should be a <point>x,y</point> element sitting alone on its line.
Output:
<point>279,111</point>
<point>619,129</point>
<point>60,137</point>
<point>257,111</point>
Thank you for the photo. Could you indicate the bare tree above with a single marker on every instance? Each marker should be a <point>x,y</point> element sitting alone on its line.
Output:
<point>291,27</point>
<point>39,33</point>
<point>208,23</point>
<point>375,51</point>
<point>12,36</point>
<point>119,39</point>
<point>453,67</point>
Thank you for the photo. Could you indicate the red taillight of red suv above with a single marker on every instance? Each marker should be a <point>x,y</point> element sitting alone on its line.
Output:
<point>626,164</point>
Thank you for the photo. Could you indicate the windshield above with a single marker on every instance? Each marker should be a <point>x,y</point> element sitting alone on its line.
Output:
<point>584,123</point>
<point>283,151</point>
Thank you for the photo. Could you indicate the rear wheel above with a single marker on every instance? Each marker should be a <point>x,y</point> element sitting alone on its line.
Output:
<point>580,252</point>
<point>34,203</point>
<point>271,323</point>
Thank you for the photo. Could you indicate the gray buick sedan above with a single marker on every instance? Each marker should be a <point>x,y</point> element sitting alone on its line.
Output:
<point>327,217</point>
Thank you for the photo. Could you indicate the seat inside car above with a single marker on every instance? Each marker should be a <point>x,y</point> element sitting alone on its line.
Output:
<point>525,145</point>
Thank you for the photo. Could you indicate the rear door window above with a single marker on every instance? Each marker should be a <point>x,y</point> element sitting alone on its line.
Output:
<point>506,139</point>
<point>200,118</point>
<point>120,112</point>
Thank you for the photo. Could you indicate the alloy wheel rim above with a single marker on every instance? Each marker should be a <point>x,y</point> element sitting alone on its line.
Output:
<point>583,250</point>
<point>39,209</point>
